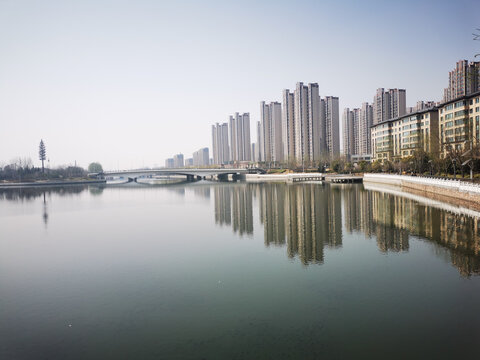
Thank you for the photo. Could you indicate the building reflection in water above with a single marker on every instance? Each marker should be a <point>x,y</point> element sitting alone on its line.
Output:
<point>306,218</point>
<point>233,207</point>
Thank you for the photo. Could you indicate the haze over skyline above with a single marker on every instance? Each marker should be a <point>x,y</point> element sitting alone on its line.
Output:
<point>130,83</point>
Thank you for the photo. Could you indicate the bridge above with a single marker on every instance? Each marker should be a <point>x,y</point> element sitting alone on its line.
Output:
<point>190,173</point>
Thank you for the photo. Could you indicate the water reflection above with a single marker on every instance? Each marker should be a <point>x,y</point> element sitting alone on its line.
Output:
<point>234,207</point>
<point>306,218</point>
<point>32,193</point>
<point>45,211</point>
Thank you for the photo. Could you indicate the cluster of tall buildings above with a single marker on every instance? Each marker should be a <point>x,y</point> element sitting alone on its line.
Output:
<point>357,122</point>
<point>304,129</point>
<point>231,141</point>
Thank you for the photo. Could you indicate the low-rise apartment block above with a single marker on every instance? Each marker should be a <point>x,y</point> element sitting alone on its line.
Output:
<point>459,124</point>
<point>400,137</point>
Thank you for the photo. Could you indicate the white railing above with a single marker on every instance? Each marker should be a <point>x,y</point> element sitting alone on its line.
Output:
<point>425,180</point>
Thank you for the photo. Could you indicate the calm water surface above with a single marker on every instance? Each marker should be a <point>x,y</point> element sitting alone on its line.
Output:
<point>236,271</point>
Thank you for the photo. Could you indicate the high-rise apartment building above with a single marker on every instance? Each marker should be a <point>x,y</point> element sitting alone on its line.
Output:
<point>332,125</point>
<point>389,104</point>
<point>316,124</point>
<point>351,134</point>
<point>265,130</point>
<point>288,125</point>
<point>463,80</point>
<point>356,131</point>
<point>220,148</point>
<point>302,146</point>
<point>259,144</point>
<point>271,132</point>
<point>364,124</point>
<point>348,133</point>
<point>240,143</point>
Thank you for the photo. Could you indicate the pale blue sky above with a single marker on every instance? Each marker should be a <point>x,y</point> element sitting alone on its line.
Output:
<point>129,83</point>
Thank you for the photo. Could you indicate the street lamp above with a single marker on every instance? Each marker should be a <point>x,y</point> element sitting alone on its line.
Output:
<point>431,167</point>
<point>454,161</point>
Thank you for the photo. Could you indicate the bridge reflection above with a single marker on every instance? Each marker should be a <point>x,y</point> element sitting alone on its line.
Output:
<point>307,218</point>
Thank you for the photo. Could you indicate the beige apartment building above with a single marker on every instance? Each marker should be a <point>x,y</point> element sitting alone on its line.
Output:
<point>459,124</point>
<point>402,136</point>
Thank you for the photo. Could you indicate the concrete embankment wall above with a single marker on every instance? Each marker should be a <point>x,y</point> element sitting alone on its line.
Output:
<point>453,191</point>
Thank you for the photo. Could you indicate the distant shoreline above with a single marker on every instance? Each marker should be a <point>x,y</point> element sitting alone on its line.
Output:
<point>49,183</point>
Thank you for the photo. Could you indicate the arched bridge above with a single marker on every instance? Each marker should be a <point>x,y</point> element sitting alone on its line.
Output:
<point>191,174</point>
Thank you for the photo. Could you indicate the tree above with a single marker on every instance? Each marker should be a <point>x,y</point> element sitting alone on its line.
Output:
<point>95,167</point>
<point>42,154</point>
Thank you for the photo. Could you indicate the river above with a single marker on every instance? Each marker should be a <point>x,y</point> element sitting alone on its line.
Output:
<point>236,271</point>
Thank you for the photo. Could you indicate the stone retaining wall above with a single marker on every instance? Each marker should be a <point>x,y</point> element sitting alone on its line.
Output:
<point>455,191</point>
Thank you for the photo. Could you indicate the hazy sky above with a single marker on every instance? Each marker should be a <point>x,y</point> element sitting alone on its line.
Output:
<point>129,83</point>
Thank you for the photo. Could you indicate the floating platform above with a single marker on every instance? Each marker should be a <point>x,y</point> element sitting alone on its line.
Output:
<point>344,179</point>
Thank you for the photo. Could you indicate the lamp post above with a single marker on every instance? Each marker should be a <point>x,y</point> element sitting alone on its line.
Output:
<point>454,161</point>
<point>431,167</point>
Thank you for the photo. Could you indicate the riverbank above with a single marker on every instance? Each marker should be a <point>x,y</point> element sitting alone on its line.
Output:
<point>49,183</point>
<point>451,191</point>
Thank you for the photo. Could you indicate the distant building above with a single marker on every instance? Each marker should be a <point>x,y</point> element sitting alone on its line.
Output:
<point>240,143</point>
<point>178,161</point>
<point>201,157</point>
<point>388,104</point>
<point>356,132</point>
<point>302,137</point>
<point>288,125</point>
<point>350,132</point>
<point>332,126</point>
<point>220,147</point>
<point>463,80</point>
<point>271,145</point>
<point>189,162</point>
<point>364,129</point>
<point>169,163</point>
